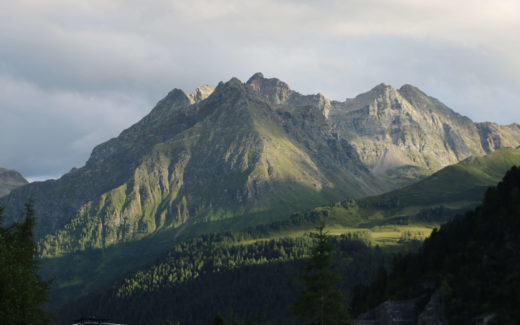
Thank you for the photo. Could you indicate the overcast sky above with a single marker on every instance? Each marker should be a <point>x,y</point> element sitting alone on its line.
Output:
<point>75,73</point>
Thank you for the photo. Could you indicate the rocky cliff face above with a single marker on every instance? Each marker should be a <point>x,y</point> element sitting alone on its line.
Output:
<point>9,180</point>
<point>278,92</point>
<point>253,151</point>
<point>403,134</point>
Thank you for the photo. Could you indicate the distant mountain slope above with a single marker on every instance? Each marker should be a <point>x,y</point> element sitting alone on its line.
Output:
<point>474,260</point>
<point>435,199</point>
<point>249,152</point>
<point>9,180</point>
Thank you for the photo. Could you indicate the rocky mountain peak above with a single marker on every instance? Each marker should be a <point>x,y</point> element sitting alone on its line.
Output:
<point>380,97</point>
<point>201,93</point>
<point>175,98</point>
<point>278,92</point>
<point>228,91</point>
<point>272,89</point>
<point>378,91</point>
<point>382,87</point>
<point>177,95</point>
<point>383,91</point>
<point>416,97</point>
<point>397,129</point>
<point>233,83</point>
<point>257,77</point>
<point>407,88</point>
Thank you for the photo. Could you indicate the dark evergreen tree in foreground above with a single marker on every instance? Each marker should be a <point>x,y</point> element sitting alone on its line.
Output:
<point>320,303</point>
<point>22,290</point>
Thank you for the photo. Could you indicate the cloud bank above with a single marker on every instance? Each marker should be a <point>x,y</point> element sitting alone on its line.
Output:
<point>75,73</point>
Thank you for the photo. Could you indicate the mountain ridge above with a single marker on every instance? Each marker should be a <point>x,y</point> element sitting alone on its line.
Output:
<point>271,169</point>
<point>250,149</point>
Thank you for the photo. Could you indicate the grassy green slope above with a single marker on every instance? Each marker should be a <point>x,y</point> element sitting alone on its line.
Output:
<point>434,199</point>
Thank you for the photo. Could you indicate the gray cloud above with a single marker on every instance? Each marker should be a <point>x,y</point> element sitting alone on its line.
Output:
<point>73,74</point>
<point>44,134</point>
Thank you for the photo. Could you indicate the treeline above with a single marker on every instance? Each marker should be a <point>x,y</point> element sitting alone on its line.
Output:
<point>225,273</point>
<point>474,259</point>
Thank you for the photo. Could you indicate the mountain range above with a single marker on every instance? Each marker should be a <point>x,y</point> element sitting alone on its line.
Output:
<point>260,162</point>
<point>249,153</point>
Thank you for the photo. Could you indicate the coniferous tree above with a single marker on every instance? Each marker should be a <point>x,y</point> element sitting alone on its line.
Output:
<point>319,303</point>
<point>218,320</point>
<point>22,290</point>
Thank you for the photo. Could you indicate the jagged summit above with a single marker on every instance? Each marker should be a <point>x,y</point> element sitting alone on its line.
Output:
<point>176,95</point>
<point>255,77</point>
<point>201,93</point>
<point>274,90</point>
<point>382,87</point>
<point>381,92</point>
<point>410,88</point>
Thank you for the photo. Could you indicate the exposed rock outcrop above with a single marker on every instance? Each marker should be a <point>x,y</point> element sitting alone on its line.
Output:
<point>402,312</point>
<point>405,312</point>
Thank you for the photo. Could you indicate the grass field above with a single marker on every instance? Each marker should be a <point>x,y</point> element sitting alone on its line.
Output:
<point>388,235</point>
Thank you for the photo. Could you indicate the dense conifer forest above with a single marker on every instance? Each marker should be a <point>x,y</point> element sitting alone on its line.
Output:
<point>474,259</point>
<point>223,273</point>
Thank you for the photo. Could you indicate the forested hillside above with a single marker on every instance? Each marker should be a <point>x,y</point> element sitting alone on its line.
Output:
<point>474,260</point>
<point>225,273</point>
